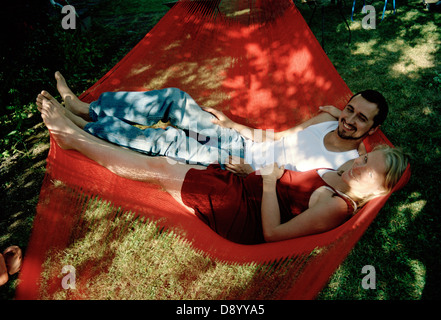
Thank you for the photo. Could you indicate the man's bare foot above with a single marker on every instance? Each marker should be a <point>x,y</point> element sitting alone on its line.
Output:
<point>80,122</point>
<point>73,104</point>
<point>62,129</point>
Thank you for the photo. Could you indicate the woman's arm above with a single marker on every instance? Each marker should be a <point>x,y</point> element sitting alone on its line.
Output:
<point>322,217</point>
<point>270,204</point>
<point>270,210</point>
<point>327,213</point>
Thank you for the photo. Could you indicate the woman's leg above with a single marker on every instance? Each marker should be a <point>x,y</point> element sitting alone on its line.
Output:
<point>123,162</point>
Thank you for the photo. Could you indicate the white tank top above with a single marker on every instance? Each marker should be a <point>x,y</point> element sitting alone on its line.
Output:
<point>300,151</point>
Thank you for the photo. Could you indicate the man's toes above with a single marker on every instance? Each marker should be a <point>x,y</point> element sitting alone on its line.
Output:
<point>40,100</point>
<point>58,76</point>
<point>47,95</point>
<point>45,103</point>
<point>40,97</point>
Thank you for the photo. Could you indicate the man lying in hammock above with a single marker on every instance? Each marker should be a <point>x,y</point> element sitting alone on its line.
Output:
<point>274,205</point>
<point>321,142</point>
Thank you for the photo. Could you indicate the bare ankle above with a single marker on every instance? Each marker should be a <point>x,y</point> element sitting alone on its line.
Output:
<point>78,107</point>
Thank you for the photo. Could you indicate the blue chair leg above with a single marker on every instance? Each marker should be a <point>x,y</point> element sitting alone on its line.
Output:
<point>353,8</point>
<point>384,9</point>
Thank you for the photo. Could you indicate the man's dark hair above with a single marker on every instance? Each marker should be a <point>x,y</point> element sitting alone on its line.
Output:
<point>377,98</point>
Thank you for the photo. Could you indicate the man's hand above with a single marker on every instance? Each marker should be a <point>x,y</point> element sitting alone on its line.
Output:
<point>333,111</point>
<point>222,120</point>
<point>238,166</point>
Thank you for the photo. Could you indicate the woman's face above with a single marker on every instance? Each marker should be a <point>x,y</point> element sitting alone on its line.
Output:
<point>367,174</point>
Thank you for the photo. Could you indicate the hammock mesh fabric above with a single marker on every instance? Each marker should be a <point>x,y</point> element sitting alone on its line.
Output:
<point>259,63</point>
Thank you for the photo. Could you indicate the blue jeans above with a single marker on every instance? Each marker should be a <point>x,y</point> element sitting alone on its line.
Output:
<point>192,138</point>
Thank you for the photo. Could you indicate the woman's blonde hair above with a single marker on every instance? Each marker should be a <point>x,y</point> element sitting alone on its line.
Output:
<point>396,164</point>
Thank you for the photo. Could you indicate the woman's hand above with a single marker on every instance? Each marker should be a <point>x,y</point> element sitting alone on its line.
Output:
<point>238,166</point>
<point>221,119</point>
<point>271,173</point>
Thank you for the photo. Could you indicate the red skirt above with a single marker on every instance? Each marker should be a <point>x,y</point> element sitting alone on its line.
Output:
<point>228,204</point>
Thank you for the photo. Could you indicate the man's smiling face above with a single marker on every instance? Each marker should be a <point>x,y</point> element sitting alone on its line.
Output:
<point>357,118</point>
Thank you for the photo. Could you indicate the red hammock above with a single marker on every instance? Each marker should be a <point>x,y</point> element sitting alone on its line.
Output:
<point>258,62</point>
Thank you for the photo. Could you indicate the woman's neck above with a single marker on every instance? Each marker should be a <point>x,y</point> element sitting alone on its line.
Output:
<point>334,179</point>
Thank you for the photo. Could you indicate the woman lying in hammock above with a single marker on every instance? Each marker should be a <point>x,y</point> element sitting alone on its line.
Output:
<point>272,204</point>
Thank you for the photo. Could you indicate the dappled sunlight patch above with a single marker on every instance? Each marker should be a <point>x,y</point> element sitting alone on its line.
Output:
<point>394,46</point>
<point>419,271</point>
<point>139,70</point>
<point>430,31</point>
<point>412,209</point>
<point>173,45</point>
<point>427,111</point>
<point>409,15</point>
<point>416,58</point>
<point>366,47</point>
<point>238,33</point>
<point>239,13</point>
<point>208,74</point>
<point>405,214</point>
<point>356,25</point>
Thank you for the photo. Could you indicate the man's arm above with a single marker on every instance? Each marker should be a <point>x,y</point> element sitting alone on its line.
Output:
<point>329,113</point>
<point>222,120</point>
<point>321,117</point>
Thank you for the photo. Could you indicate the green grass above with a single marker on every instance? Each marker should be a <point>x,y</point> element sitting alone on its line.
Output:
<point>401,58</point>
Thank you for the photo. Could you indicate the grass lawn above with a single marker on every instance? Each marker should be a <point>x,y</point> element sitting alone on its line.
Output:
<point>400,57</point>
